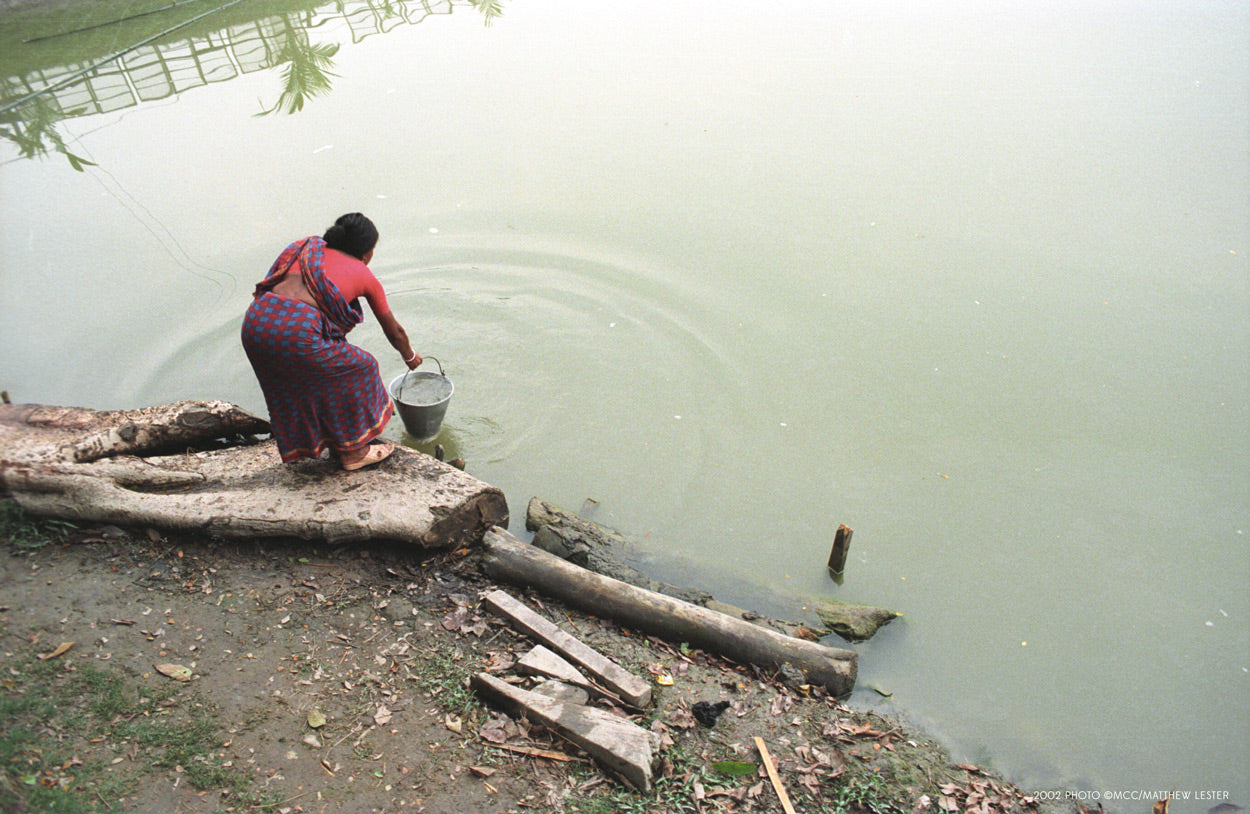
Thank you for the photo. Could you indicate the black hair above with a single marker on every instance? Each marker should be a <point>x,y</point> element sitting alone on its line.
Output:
<point>352,234</point>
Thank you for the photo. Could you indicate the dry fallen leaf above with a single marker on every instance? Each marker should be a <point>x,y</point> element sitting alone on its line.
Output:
<point>456,618</point>
<point>316,719</point>
<point>382,716</point>
<point>177,672</point>
<point>493,734</point>
<point>454,723</point>
<point>60,651</point>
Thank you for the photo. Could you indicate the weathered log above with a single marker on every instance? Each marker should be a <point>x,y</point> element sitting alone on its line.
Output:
<point>115,467</point>
<point>507,558</point>
<point>39,432</point>
<point>586,543</point>
<point>617,743</point>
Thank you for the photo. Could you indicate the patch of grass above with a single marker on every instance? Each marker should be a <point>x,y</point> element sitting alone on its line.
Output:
<point>673,792</point>
<point>444,675</point>
<point>64,723</point>
<point>853,794</point>
<point>865,792</point>
<point>24,532</point>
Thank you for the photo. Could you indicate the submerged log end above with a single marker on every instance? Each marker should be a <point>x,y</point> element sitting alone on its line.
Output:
<point>854,623</point>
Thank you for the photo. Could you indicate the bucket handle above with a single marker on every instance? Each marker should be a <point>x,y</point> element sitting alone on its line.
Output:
<point>400,395</point>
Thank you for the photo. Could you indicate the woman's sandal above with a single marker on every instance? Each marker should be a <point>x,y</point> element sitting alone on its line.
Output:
<point>374,454</point>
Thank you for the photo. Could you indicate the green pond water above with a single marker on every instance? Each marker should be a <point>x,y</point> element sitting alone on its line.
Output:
<point>968,277</point>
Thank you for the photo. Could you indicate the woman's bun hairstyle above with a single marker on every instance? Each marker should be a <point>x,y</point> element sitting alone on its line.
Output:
<point>352,234</point>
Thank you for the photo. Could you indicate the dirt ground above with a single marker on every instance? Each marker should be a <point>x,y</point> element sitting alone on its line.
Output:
<point>335,681</point>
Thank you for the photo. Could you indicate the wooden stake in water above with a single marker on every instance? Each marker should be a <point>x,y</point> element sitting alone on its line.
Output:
<point>841,545</point>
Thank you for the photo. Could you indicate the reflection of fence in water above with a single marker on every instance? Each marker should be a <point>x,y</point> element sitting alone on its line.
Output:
<point>158,71</point>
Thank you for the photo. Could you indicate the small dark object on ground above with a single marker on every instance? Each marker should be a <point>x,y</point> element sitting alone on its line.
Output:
<point>706,713</point>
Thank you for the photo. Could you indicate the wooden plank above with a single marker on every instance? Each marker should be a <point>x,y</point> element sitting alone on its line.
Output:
<point>631,689</point>
<point>560,691</point>
<point>619,744</point>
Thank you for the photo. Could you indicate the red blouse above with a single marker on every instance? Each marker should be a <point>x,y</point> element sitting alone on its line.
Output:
<point>354,279</point>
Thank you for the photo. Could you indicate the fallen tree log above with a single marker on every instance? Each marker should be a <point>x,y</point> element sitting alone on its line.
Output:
<point>117,467</point>
<point>506,558</point>
<point>586,543</point>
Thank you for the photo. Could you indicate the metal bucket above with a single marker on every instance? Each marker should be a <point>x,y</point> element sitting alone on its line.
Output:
<point>421,399</point>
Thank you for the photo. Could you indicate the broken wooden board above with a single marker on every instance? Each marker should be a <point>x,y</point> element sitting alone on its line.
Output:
<point>629,687</point>
<point>620,745</point>
<point>116,467</point>
<point>540,661</point>
<point>506,558</point>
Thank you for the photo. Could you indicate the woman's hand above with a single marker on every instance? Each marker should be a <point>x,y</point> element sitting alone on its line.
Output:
<point>398,337</point>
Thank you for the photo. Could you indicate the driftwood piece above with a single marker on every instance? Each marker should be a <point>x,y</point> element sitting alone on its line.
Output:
<point>507,558</point>
<point>117,467</point>
<point>39,432</point>
<point>629,687</point>
<point>619,744</point>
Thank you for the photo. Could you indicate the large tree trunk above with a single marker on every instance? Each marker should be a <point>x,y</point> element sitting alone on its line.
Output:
<point>190,466</point>
<point>505,557</point>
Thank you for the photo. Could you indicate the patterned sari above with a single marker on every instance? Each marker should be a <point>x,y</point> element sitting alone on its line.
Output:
<point>321,391</point>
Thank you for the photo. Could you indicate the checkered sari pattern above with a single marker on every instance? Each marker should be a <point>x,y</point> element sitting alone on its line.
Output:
<point>321,391</point>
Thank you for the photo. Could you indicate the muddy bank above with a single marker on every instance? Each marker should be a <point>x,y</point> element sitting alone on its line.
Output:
<point>335,679</point>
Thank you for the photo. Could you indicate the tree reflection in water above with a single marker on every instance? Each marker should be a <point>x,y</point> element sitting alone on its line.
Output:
<point>306,70</point>
<point>39,91</point>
